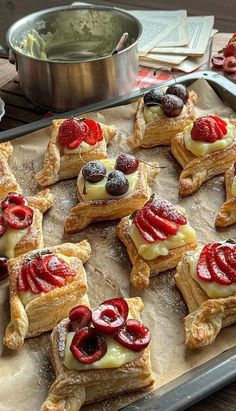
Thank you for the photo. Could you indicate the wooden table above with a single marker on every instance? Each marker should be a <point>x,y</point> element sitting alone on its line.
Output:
<point>19,111</point>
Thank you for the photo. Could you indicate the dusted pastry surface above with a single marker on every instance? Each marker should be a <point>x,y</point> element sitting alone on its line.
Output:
<point>151,113</point>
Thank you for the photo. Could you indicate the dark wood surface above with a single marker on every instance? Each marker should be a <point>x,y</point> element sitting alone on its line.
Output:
<point>20,110</point>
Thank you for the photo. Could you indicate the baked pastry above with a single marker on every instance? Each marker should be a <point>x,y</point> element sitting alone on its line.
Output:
<point>73,143</point>
<point>207,280</point>
<point>44,285</point>
<point>21,222</point>
<point>205,149</point>
<point>8,182</point>
<point>102,360</point>
<point>110,189</point>
<point>159,117</point>
<point>155,239</point>
<point>227,213</point>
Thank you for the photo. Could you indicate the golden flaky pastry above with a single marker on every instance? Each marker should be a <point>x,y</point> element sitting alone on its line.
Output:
<point>197,170</point>
<point>45,310</point>
<point>74,388</point>
<point>143,269</point>
<point>58,166</point>
<point>227,213</point>
<point>87,212</point>
<point>8,182</point>
<point>206,316</point>
<point>162,129</point>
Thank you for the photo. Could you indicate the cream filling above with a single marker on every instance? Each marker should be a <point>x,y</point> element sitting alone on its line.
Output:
<point>82,148</point>
<point>116,356</point>
<point>27,296</point>
<point>200,148</point>
<point>97,191</point>
<point>212,289</point>
<point>151,113</point>
<point>9,240</point>
<point>149,251</point>
<point>233,188</point>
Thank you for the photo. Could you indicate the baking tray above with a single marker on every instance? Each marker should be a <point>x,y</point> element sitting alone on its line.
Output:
<point>214,374</point>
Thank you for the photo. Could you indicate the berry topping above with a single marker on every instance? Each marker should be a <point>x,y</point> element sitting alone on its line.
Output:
<point>19,216</point>
<point>157,220</point>
<point>180,91</point>
<point>133,335</point>
<point>14,199</point>
<point>3,268</point>
<point>126,163</point>
<point>80,317</point>
<point>109,316</point>
<point>43,273</point>
<point>153,97</point>
<point>117,183</point>
<point>95,132</point>
<point>72,132</point>
<point>172,105</point>
<point>207,129</point>
<point>88,345</point>
<point>230,49</point>
<point>221,123</point>
<point>230,64</point>
<point>235,168</point>
<point>3,225</point>
<point>217,262</point>
<point>218,60</point>
<point>94,171</point>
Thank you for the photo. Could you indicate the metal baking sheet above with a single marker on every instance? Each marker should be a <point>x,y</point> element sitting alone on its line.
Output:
<point>219,371</point>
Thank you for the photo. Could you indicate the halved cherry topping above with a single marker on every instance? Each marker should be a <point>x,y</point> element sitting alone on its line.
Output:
<point>88,345</point>
<point>95,132</point>
<point>14,199</point>
<point>202,266</point>
<point>166,226</point>
<point>166,210</point>
<point>216,273</point>
<point>109,316</point>
<point>3,268</point>
<point>3,225</point>
<point>19,216</point>
<point>154,232</point>
<point>80,317</point>
<point>221,123</point>
<point>133,335</point>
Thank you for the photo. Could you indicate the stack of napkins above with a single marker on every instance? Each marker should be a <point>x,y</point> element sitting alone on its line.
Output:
<point>173,40</point>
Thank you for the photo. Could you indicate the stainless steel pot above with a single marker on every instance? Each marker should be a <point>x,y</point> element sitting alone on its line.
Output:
<point>56,75</point>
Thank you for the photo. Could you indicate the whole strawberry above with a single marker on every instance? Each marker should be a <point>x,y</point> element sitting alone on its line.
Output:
<point>206,129</point>
<point>230,49</point>
<point>70,131</point>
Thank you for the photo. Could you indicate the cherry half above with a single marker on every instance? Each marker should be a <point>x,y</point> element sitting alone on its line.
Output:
<point>80,316</point>
<point>109,316</point>
<point>88,345</point>
<point>3,268</point>
<point>133,335</point>
<point>19,216</point>
<point>14,199</point>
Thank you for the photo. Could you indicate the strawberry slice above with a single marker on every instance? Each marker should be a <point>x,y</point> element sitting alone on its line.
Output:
<point>168,227</point>
<point>143,233</point>
<point>3,225</point>
<point>230,254</point>
<point>216,273</point>
<point>166,210</point>
<point>33,286</point>
<point>221,123</point>
<point>48,279</point>
<point>72,130</point>
<point>153,232</point>
<point>22,279</point>
<point>202,267</point>
<point>220,257</point>
<point>57,266</point>
<point>95,132</point>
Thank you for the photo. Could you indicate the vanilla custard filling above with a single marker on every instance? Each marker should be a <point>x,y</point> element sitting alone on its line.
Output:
<point>97,191</point>
<point>233,188</point>
<point>116,356</point>
<point>201,148</point>
<point>212,289</point>
<point>82,148</point>
<point>149,251</point>
<point>27,296</point>
<point>9,240</point>
<point>151,113</point>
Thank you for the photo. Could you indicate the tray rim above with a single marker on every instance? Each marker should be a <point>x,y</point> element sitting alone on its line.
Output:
<point>215,373</point>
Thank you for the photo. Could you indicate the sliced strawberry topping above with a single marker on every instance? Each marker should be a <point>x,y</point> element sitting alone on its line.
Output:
<point>206,129</point>
<point>217,262</point>
<point>3,225</point>
<point>153,232</point>
<point>166,210</point>
<point>43,274</point>
<point>221,123</point>
<point>95,132</point>
<point>14,199</point>
<point>167,227</point>
<point>143,233</point>
<point>19,216</point>
<point>72,130</point>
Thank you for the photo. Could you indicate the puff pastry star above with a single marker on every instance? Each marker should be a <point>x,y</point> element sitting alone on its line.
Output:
<point>33,313</point>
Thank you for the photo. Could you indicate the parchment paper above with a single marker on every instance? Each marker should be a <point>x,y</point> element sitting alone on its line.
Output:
<point>25,376</point>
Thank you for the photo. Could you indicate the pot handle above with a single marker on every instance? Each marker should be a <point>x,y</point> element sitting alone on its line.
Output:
<point>10,55</point>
